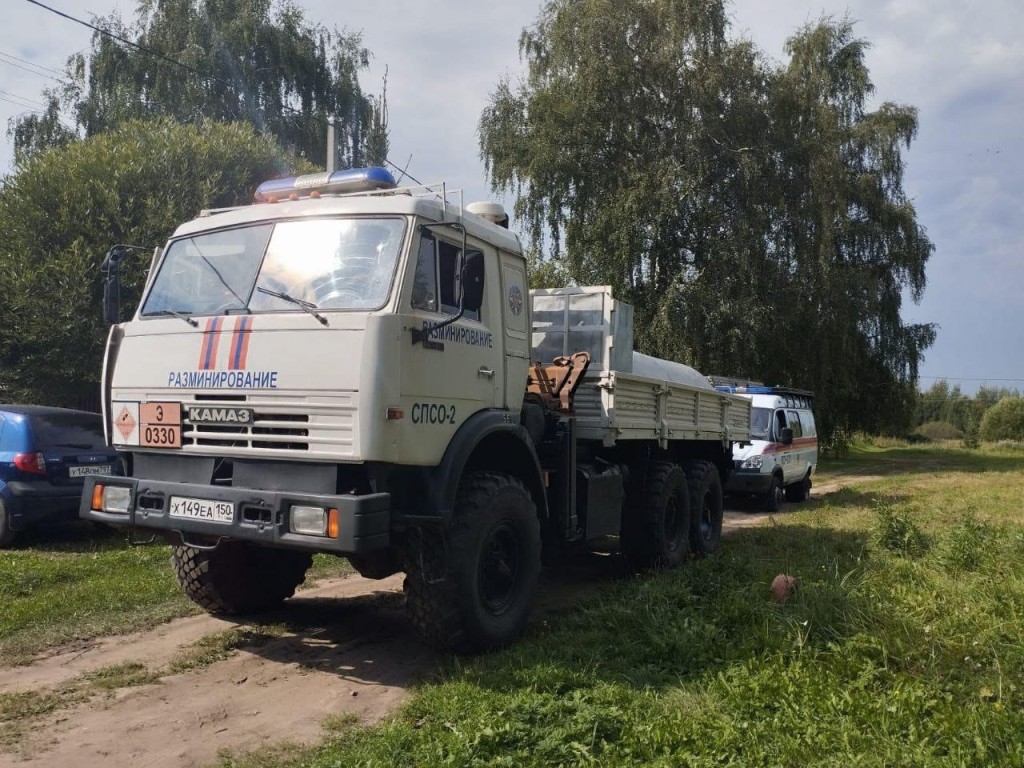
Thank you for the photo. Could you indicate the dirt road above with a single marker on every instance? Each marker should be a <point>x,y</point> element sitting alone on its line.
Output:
<point>347,650</point>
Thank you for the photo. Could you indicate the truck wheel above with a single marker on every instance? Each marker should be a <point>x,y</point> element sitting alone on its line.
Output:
<point>706,507</point>
<point>772,500</point>
<point>799,491</point>
<point>656,527</point>
<point>238,577</point>
<point>7,535</point>
<point>477,595</point>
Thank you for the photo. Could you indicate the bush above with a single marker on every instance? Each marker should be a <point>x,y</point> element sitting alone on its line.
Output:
<point>1004,420</point>
<point>896,532</point>
<point>939,430</point>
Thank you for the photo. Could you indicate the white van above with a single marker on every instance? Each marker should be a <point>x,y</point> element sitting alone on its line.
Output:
<point>780,460</point>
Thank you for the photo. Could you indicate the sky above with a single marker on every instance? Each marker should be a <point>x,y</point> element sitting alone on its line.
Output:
<point>960,63</point>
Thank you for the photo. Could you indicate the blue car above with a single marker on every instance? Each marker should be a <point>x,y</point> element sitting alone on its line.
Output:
<point>45,456</point>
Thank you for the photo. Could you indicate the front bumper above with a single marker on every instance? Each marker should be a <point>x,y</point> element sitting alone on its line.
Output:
<point>261,517</point>
<point>748,481</point>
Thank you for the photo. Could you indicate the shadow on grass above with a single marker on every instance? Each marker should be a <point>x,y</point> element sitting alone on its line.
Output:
<point>70,536</point>
<point>595,620</point>
<point>653,630</point>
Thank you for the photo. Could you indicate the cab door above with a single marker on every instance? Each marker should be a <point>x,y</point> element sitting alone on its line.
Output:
<point>515,306</point>
<point>451,372</point>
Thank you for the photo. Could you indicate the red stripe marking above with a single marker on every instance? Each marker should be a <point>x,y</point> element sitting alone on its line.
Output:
<point>235,337</point>
<point>798,442</point>
<point>204,348</point>
<point>215,341</point>
<point>244,352</point>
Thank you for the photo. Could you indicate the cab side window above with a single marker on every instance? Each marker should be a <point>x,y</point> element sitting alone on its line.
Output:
<point>807,421</point>
<point>794,423</point>
<point>780,424</point>
<point>436,283</point>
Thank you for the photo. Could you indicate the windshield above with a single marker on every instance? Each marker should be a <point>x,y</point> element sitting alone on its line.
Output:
<point>327,263</point>
<point>760,420</point>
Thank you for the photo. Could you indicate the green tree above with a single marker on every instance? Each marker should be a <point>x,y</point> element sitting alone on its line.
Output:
<point>260,61</point>
<point>753,215</point>
<point>65,207</point>
<point>1004,420</point>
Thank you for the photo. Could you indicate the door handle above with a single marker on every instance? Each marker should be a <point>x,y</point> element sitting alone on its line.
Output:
<point>487,373</point>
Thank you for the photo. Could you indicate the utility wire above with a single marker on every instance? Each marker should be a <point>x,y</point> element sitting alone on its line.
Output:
<point>25,98</point>
<point>30,63</point>
<point>3,60</point>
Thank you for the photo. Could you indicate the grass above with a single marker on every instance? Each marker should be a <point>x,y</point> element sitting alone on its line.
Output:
<point>902,646</point>
<point>71,584</point>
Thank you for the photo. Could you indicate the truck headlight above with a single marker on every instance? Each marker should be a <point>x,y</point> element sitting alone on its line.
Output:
<point>754,462</point>
<point>112,498</point>
<point>314,521</point>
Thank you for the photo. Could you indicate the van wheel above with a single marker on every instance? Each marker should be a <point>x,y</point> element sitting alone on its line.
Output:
<point>238,577</point>
<point>706,507</point>
<point>7,535</point>
<point>477,595</point>
<point>772,500</point>
<point>799,491</point>
<point>656,526</point>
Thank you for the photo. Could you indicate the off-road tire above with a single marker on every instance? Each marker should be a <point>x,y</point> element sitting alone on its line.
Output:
<point>772,499</point>
<point>238,577</point>
<point>470,586</point>
<point>656,527</point>
<point>7,535</point>
<point>799,491</point>
<point>706,507</point>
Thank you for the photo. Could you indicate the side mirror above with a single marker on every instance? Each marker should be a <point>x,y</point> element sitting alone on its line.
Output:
<point>112,284</point>
<point>787,436</point>
<point>473,288</point>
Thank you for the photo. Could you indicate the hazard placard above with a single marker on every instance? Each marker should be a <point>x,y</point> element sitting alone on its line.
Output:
<point>125,422</point>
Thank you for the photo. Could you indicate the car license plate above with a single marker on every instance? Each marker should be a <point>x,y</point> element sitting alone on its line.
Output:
<point>202,509</point>
<point>92,469</point>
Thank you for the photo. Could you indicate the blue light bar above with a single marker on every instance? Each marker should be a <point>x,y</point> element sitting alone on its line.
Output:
<point>344,182</point>
<point>762,390</point>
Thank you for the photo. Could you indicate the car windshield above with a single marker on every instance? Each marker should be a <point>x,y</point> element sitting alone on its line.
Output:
<point>324,263</point>
<point>67,430</point>
<point>760,420</point>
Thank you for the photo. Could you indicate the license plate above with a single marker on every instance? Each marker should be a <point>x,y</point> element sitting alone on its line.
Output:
<point>161,437</point>
<point>202,509</point>
<point>92,469</point>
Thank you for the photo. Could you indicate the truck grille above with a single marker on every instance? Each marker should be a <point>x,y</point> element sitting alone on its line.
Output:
<point>279,431</point>
<point>317,426</point>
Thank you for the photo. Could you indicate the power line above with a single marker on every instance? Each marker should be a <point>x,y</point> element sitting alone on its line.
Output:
<point>6,55</point>
<point>968,378</point>
<point>25,98</point>
<point>3,60</point>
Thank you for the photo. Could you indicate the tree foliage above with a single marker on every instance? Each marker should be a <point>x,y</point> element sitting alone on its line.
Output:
<point>1004,420</point>
<point>752,213</point>
<point>65,207</point>
<point>259,61</point>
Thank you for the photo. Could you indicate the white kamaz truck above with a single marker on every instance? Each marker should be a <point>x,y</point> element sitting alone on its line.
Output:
<point>352,368</point>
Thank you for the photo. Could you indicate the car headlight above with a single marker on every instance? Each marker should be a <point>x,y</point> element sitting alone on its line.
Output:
<point>754,462</point>
<point>314,521</point>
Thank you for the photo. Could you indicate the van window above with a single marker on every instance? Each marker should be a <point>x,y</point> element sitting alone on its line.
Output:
<point>780,424</point>
<point>794,423</point>
<point>807,420</point>
<point>760,421</point>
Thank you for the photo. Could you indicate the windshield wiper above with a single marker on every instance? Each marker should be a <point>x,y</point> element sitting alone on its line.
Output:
<point>174,313</point>
<point>306,306</point>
